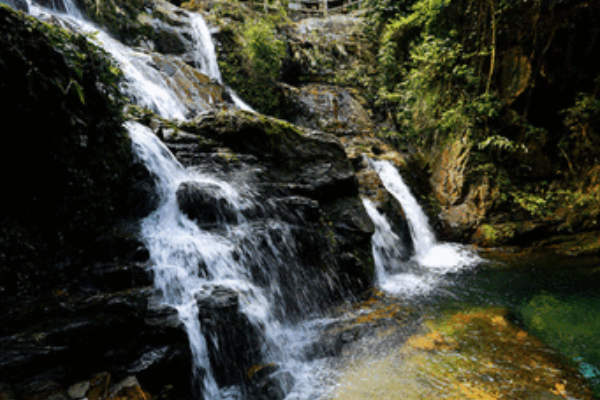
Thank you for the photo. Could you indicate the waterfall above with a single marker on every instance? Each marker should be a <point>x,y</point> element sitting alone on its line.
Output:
<point>388,259</point>
<point>176,247</point>
<point>205,49</point>
<point>190,263</point>
<point>145,85</point>
<point>428,251</point>
<point>431,260</point>
<point>207,58</point>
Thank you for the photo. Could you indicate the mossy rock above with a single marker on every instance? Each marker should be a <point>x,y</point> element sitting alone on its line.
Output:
<point>315,162</point>
<point>120,18</point>
<point>66,119</point>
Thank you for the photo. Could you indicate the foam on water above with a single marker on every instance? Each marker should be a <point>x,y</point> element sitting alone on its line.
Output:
<point>431,261</point>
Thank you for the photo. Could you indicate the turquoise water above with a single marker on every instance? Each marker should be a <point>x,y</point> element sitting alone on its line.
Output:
<point>556,299</point>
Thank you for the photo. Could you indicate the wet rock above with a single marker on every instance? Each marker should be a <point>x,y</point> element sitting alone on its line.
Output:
<point>350,231</point>
<point>79,390</point>
<point>234,344</point>
<point>328,346</point>
<point>309,175</point>
<point>127,389</point>
<point>205,203</point>
<point>44,390</point>
<point>110,331</point>
<point>270,383</point>
<point>328,108</point>
<point>168,41</point>
<point>294,209</point>
<point>193,88</point>
<point>99,386</point>
<point>314,160</point>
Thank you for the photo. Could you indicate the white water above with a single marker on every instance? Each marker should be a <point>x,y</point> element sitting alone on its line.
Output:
<point>388,258</point>
<point>205,49</point>
<point>188,262</point>
<point>178,247</point>
<point>432,258</point>
<point>145,85</point>
<point>206,57</point>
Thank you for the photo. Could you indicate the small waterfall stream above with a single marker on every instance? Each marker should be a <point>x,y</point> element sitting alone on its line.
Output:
<point>431,259</point>
<point>207,58</point>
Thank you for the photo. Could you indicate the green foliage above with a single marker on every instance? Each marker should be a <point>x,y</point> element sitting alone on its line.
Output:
<point>254,66</point>
<point>262,50</point>
<point>582,145</point>
<point>437,93</point>
<point>532,203</point>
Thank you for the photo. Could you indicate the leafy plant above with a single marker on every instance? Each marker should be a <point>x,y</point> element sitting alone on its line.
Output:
<point>255,66</point>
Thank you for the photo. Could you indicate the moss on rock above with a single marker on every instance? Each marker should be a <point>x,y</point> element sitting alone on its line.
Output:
<point>70,179</point>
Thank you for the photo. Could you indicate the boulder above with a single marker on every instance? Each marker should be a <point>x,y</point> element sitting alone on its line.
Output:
<point>316,163</point>
<point>193,88</point>
<point>301,172</point>
<point>269,382</point>
<point>168,41</point>
<point>235,343</point>
<point>205,203</point>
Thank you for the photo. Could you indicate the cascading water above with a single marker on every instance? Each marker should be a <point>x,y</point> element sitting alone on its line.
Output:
<point>176,247</point>
<point>205,49</point>
<point>388,257</point>
<point>431,259</point>
<point>207,58</point>
<point>189,263</point>
<point>146,86</point>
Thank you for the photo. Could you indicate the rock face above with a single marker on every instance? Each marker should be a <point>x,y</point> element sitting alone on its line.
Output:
<point>328,108</point>
<point>82,176</point>
<point>75,296</point>
<point>307,174</point>
<point>204,203</point>
<point>321,47</point>
<point>79,318</point>
<point>74,323</point>
<point>463,206</point>
<point>235,345</point>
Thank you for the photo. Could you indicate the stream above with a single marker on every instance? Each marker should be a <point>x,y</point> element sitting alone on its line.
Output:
<point>479,319</point>
<point>518,326</point>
